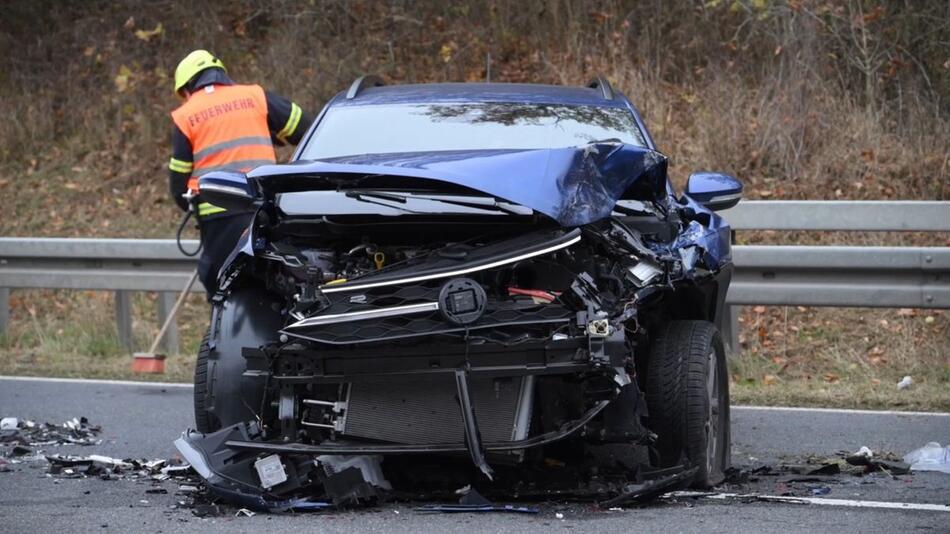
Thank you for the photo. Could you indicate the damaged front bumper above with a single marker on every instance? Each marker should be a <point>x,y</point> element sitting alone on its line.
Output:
<point>450,355</point>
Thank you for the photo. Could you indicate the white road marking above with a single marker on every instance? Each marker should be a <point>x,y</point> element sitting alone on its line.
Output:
<point>837,410</point>
<point>94,381</point>
<point>734,407</point>
<point>819,501</point>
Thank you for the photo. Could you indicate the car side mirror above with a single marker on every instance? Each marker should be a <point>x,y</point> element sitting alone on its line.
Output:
<point>228,190</point>
<point>715,191</point>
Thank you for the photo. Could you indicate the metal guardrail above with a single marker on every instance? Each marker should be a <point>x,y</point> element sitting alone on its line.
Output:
<point>841,215</point>
<point>856,276</point>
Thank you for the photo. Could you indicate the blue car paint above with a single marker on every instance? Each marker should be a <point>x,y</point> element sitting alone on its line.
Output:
<point>705,186</point>
<point>573,186</point>
<point>713,240</point>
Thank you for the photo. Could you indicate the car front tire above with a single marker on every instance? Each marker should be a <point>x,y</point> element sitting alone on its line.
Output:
<point>223,395</point>
<point>688,398</point>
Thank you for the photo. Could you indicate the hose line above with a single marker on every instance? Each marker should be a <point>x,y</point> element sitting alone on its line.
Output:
<point>181,228</point>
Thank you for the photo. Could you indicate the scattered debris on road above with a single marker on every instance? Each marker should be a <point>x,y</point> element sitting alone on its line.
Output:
<point>930,457</point>
<point>107,468</point>
<point>473,501</point>
<point>350,481</point>
<point>76,431</point>
<point>866,458</point>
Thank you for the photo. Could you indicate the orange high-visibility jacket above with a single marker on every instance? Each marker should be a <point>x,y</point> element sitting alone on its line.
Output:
<point>227,128</point>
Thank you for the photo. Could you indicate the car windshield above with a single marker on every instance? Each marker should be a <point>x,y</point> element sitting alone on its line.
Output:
<point>405,128</point>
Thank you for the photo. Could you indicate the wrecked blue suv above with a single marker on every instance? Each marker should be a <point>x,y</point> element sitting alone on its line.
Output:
<point>496,279</point>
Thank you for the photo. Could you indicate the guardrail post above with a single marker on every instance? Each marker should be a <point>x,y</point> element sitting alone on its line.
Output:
<point>730,330</point>
<point>123,318</point>
<point>166,301</point>
<point>4,308</point>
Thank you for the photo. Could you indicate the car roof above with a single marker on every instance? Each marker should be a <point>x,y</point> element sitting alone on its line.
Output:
<point>479,92</point>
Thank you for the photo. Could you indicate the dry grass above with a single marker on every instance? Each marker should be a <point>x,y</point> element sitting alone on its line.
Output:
<point>72,334</point>
<point>843,357</point>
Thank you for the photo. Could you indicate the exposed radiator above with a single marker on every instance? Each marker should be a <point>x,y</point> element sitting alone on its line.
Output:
<point>425,409</point>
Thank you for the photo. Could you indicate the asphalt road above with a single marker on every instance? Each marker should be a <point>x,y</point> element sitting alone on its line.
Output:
<point>140,421</point>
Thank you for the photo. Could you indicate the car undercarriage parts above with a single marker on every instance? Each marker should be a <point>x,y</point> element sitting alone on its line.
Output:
<point>563,431</point>
<point>473,439</point>
<point>271,471</point>
<point>353,479</point>
<point>425,409</point>
<point>239,472</point>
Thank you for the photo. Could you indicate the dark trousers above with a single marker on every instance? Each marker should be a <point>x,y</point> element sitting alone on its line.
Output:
<point>219,235</point>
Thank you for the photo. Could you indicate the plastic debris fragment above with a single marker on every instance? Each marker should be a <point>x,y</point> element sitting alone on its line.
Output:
<point>473,501</point>
<point>930,457</point>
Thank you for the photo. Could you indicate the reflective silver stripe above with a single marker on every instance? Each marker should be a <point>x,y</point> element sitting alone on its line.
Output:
<point>725,198</point>
<point>355,285</point>
<point>240,141</point>
<point>234,166</point>
<point>378,313</point>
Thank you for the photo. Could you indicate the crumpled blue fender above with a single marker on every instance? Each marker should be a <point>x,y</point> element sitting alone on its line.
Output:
<point>705,239</point>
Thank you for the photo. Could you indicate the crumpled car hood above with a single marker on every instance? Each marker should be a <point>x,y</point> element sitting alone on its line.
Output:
<point>574,186</point>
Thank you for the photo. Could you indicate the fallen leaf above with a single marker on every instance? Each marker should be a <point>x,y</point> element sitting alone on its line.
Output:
<point>929,319</point>
<point>768,380</point>
<point>446,53</point>
<point>759,309</point>
<point>831,377</point>
<point>122,79</point>
<point>147,35</point>
<point>907,312</point>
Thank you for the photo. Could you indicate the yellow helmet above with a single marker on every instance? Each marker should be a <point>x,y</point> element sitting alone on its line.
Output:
<point>194,63</point>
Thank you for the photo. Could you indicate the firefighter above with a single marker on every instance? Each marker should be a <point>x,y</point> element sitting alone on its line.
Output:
<point>222,125</point>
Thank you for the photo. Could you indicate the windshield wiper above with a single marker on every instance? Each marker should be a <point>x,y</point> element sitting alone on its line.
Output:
<point>487,204</point>
<point>369,196</point>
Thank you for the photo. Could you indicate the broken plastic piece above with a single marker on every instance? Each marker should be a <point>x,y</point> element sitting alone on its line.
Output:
<point>76,431</point>
<point>864,457</point>
<point>271,471</point>
<point>353,479</point>
<point>473,438</point>
<point>8,423</point>
<point>369,465</point>
<point>905,382</point>
<point>207,510</point>
<point>826,470</point>
<point>650,489</point>
<point>473,501</point>
<point>930,457</point>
